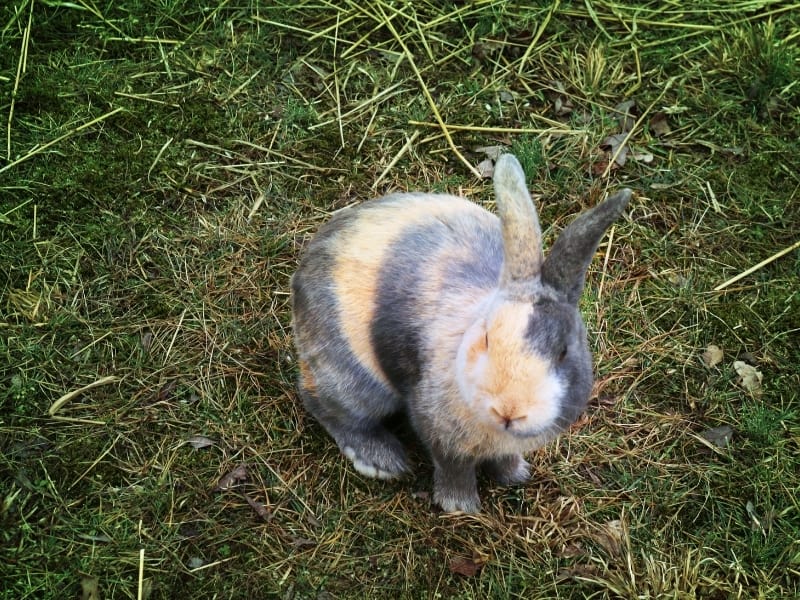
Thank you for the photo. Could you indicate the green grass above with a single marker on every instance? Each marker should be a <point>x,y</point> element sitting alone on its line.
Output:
<point>163,165</point>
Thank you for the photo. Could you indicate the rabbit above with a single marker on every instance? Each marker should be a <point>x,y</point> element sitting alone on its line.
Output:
<point>430,304</point>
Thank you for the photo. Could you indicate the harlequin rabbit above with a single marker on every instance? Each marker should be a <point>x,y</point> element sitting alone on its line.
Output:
<point>428,303</point>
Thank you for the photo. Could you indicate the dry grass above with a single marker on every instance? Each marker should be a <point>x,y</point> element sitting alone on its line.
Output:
<point>163,166</point>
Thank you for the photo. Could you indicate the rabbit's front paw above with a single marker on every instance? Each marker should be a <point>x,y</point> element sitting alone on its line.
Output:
<point>508,470</point>
<point>453,501</point>
<point>376,456</point>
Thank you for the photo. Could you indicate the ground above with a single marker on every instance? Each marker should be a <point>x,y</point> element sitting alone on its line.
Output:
<point>163,165</point>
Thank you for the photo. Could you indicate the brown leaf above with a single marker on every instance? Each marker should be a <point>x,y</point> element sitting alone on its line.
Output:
<point>230,479</point>
<point>300,542</point>
<point>259,507</point>
<point>599,167</point>
<point>713,355</point>
<point>612,537</point>
<point>571,550</point>
<point>659,125</point>
<point>562,106</point>
<point>468,567</point>
<point>166,390</point>
<point>616,145</point>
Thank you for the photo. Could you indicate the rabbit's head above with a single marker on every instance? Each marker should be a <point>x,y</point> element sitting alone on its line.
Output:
<point>524,367</point>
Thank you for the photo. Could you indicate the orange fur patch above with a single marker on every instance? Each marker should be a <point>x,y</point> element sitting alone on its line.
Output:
<point>512,370</point>
<point>509,387</point>
<point>307,379</point>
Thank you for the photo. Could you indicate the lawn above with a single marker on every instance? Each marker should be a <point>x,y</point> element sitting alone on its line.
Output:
<point>163,164</point>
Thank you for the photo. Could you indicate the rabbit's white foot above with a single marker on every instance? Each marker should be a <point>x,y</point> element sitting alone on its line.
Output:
<point>376,457</point>
<point>452,501</point>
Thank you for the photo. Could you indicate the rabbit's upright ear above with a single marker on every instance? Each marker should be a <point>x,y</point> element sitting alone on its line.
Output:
<point>566,265</point>
<point>522,236</point>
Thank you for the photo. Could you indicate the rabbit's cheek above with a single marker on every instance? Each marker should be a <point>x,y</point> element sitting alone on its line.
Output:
<point>469,382</point>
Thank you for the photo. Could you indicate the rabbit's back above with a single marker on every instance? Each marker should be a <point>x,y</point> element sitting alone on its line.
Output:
<point>382,281</point>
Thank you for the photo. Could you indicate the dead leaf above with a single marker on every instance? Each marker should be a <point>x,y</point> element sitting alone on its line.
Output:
<point>612,537</point>
<point>200,441</point>
<point>748,357</point>
<point>259,507</point>
<point>615,144</point>
<point>626,115</point>
<point>486,168</point>
<point>562,103</point>
<point>468,567</point>
<point>313,521</point>
<point>562,106</point>
<point>492,152</point>
<point>713,355</point>
<point>90,588</point>
<point>659,124</point>
<point>166,390</point>
<point>719,436</point>
<point>506,96</point>
<point>572,550</point>
<point>599,167</point>
<point>644,157</point>
<point>750,378</point>
<point>229,480</point>
<point>300,542</point>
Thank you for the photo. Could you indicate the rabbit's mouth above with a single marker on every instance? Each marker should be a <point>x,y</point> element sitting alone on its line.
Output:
<point>528,432</point>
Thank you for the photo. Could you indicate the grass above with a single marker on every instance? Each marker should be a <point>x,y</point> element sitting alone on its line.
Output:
<point>163,165</point>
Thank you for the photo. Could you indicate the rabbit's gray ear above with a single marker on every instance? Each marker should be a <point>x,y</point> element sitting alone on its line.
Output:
<point>566,265</point>
<point>522,236</point>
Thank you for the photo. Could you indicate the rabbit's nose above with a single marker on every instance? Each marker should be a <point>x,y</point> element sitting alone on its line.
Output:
<point>507,418</point>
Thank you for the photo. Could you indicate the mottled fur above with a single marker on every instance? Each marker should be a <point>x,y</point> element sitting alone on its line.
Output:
<point>430,304</point>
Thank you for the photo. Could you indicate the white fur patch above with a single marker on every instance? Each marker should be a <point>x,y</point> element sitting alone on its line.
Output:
<point>367,469</point>
<point>551,391</point>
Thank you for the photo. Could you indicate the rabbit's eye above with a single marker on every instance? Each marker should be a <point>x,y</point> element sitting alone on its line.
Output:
<point>562,355</point>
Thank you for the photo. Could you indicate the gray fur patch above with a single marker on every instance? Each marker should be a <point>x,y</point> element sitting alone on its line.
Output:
<point>556,332</point>
<point>482,269</point>
<point>396,329</point>
<point>472,252</point>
